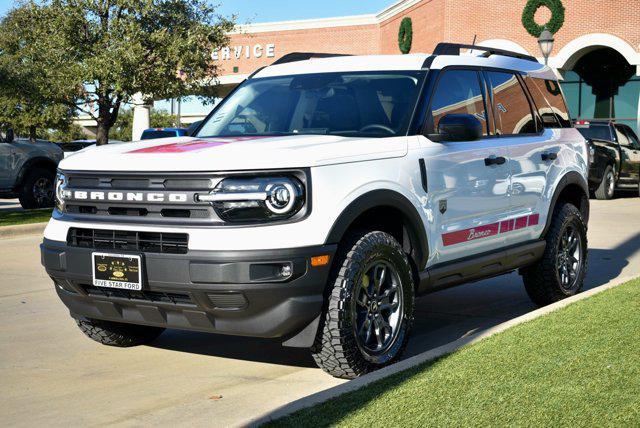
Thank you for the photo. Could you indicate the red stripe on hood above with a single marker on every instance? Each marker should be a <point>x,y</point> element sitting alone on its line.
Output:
<point>190,146</point>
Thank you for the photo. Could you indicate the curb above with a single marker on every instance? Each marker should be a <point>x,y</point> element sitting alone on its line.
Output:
<point>22,230</point>
<point>327,394</point>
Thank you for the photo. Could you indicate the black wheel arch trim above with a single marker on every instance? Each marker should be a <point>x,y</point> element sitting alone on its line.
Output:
<point>570,178</point>
<point>391,199</point>
<point>32,162</point>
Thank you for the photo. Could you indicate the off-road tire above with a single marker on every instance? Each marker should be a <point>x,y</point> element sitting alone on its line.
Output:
<point>117,334</point>
<point>541,280</point>
<point>26,194</point>
<point>336,350</point>
<point>605,190</point>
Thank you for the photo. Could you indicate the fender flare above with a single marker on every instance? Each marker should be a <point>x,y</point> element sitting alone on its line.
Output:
<point>391,199</point>
<point>570,178</point>
<point>29,163</point>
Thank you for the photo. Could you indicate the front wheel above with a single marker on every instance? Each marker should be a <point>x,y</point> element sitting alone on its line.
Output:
<point>118,334</point>
<point>37,189</point>
<point>561,270</point>
<point>369,313</point>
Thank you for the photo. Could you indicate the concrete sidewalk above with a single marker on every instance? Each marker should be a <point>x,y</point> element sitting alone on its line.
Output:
<point>51,374</point>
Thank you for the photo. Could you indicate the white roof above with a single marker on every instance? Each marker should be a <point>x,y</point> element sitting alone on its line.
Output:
<point>401,62</point>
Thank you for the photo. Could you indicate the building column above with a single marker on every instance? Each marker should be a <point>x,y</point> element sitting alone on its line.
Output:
<point>141,113</point>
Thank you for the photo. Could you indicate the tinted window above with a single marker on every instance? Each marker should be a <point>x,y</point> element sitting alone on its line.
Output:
<point>358,104</point>
<point>595,132</point>
<point>458,92</point>
<point>510,105</point>
<point>549,101</point>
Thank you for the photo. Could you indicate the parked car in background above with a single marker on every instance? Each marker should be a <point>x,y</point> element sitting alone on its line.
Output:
<point>28,171</point>
<point>153,133</point>
<point>77,145</point>
<point>614,154</point>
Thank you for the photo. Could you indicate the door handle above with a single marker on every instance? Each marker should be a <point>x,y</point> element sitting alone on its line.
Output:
<point>493,160</point>
<point>549,156</point>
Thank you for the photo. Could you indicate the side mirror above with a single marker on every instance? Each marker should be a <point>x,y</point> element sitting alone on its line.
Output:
<point>10,136</point>
<point>459,127</point>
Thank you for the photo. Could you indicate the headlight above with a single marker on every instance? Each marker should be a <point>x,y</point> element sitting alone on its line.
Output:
<point>61,191</point>
<point>256,199</point>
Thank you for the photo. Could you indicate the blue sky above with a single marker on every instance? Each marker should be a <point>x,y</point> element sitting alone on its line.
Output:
<point>281,10</point>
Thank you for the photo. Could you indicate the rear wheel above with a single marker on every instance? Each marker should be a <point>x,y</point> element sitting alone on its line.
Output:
<point>118,334</point>
<point>369,313</point>
<point>606,188</point>
<point>561,271</point>
<point>37,189</point>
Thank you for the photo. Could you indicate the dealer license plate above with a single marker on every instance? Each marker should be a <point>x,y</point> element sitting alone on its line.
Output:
<point>117,271</point>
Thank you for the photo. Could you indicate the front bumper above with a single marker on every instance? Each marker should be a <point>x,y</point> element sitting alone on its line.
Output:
<point>212,291</point>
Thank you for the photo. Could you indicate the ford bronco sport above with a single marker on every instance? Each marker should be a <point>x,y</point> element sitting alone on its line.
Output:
<point>323,195</point>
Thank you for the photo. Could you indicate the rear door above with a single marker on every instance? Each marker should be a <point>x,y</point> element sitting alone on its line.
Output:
<point>468,180</point>
<point>526,143</point>
<point>629,156</point>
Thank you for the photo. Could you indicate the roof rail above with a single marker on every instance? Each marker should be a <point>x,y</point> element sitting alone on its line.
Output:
<point>303,56</point>
<point>454,49</point>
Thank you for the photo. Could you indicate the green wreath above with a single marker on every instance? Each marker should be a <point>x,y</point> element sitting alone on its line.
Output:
<point>554,24</point>
<point>405,35</point>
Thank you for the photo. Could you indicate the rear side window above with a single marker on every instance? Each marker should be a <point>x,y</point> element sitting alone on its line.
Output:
<point>549,101</point>
<point>511,107</point>
<point>458,92</point>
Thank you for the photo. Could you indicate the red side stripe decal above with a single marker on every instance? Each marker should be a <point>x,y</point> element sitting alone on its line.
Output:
<point>488,230</point>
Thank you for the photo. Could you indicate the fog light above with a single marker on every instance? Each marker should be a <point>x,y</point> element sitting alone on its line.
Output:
<point>286,271</point>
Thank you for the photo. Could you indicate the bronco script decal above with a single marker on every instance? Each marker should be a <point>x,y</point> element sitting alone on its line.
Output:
<point>488,230</point>
<point>190,146</point>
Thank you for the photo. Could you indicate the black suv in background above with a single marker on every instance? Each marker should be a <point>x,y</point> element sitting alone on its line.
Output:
<point>614,154</point>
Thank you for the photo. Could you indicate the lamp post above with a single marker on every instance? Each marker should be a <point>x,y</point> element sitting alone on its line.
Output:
<point>545,41</point>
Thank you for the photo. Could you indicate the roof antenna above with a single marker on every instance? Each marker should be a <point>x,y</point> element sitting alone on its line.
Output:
<point>474,40</point>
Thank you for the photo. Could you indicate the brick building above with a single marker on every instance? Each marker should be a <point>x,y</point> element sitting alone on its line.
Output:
<point>596,52</point>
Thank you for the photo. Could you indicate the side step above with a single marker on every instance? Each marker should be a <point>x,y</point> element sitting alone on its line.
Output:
<point>480,267</point>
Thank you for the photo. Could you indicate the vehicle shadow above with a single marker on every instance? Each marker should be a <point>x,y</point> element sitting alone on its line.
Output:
<point>440,318</point>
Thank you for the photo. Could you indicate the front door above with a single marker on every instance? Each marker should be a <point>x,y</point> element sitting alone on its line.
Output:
<point>468,181</point>
<point>629,156</point>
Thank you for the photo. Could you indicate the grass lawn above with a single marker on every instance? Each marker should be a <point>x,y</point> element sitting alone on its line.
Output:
<point>578,366</point>
<point>24,217</point>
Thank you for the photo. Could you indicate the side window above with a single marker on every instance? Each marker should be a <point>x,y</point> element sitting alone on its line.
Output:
<point>622,138</point>
<point>549,101</point>
<point>633,139</point>
<point>458,92</point>
<point>510,105</point>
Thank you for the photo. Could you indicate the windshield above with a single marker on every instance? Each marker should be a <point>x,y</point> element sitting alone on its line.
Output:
<point>596,132</point>
<point>360,104</point>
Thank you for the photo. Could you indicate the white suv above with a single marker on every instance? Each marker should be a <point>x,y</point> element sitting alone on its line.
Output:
<point>321,197</point>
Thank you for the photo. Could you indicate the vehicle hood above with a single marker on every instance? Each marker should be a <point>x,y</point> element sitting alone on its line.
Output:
<point>233,153</point>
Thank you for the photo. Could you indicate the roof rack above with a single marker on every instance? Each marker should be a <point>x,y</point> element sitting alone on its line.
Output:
<point>303,56</point>
<point>454,49</point>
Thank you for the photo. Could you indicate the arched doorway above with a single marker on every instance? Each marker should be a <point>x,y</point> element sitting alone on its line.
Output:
<point>601,84</point>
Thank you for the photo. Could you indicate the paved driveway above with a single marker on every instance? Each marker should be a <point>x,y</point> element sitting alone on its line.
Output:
<point>51,374</point>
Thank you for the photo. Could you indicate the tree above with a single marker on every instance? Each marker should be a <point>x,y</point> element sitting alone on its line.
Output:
<point>123,127</point>
<point>97,54</point>
<point>24,105</point>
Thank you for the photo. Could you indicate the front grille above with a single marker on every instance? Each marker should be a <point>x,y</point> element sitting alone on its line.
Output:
<point>147,296</point>
<point>129,198</point>
<point>148,242</point>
